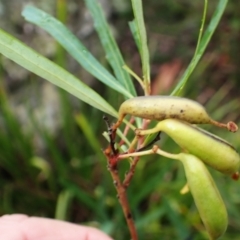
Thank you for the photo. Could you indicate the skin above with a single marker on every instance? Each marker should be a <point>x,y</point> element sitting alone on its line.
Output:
<point>22,227</point>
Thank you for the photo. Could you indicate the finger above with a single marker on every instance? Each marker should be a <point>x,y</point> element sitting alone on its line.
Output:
<point>22,227</point>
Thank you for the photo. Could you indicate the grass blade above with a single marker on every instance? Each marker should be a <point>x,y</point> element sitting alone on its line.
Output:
<point>34,62</point>
<point>72,44</point>
<point>63,203</point>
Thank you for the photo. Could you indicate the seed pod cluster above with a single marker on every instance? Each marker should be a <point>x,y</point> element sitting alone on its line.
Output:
<point>200,147</point>
<point>206,196</point>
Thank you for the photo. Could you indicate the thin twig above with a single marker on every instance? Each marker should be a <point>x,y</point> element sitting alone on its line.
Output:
<point>130,173</point>
<point>110,134</point>
<point>122,196</point>
<point>140,81</point>
<point>126,130</point>
<point>157,138</point>
<point>112,156</point>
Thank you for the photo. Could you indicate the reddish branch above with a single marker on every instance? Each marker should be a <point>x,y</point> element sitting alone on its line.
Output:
<point>122,196</point>
<point>112,156</point>
<point>129,175</point>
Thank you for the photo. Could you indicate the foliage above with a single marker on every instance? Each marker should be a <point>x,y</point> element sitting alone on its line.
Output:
<point>70,177</point>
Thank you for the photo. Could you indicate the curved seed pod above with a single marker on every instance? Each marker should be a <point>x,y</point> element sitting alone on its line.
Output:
<point>211,149</point>
<point>165,107</point>
<point>206,195</point>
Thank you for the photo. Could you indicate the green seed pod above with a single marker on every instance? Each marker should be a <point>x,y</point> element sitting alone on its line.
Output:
<point>206,195</point>
<point>166,107</point>
<point>211,149</point>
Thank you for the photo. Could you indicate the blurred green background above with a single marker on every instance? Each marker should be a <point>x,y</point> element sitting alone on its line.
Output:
<point>51,162</point>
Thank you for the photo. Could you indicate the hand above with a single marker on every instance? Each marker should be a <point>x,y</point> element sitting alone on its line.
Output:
<point>22,227</point>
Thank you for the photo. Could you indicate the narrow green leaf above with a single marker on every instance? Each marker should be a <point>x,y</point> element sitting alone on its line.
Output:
<point>34,62</point>
<point>202,46</point>
<point>72,44</point>
<point>113,53</point>
<point>142,36</point>
<point>202,26</point>
<point>63,203</point>
<point>133,29</point>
